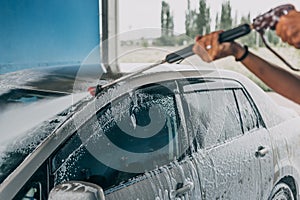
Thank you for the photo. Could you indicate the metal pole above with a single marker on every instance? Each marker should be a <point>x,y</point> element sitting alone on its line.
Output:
<point>110,39</point>
<point>104,39</point>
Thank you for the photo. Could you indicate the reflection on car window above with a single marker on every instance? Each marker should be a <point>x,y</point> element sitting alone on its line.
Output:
<point>34,193</point>
<point>214,116</point>
<point>249,117</point>
<point>36,186</point>
<point>132,134</point>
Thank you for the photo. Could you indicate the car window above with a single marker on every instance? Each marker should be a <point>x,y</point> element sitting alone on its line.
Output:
<point>214,116</point>
<point>132,134</point>
<point>249,117</point>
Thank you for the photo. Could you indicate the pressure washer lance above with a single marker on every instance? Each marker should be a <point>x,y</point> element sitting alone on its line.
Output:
<point>225,36</point>
<point>261,23</point>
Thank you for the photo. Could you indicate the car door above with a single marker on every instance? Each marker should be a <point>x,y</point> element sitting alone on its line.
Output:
<point>225,158</point>
<point>254,130</point>
<point>133,147</point>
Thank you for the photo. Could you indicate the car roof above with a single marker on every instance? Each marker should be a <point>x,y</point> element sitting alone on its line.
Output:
<point>161,73</point>
<point>270,111</point>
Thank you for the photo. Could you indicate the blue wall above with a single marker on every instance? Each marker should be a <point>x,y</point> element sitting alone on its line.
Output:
<point>46,31</point>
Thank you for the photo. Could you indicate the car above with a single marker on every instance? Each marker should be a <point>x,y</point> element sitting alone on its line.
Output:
<point>175,131</point>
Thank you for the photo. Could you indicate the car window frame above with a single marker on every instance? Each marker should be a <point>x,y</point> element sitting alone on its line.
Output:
<point>239,86</point>
<point>260,121</point>
<point>225,140</point>
<point>180,115</point>
<point>34,179</point>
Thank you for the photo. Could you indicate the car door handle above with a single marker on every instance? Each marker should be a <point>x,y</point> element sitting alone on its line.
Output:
<point>261,151</point>
<point>183,189</point>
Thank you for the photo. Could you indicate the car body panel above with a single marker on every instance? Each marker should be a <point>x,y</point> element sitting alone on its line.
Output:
<point>285,138</point>
<point>164,181</point>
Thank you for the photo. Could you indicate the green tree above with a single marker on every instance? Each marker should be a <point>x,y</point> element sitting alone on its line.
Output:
<point>208,21</point>
<point>273,39</point>
<point>197,22</point>
<point>167,23</point>
<point>246,19</point>
<point>235,20</point>
<point>217,25</point>
<point>203,19</point>
<point>190,21</point>
<point>167,26</point>
<point>226,19</point>
<point>251,38</point>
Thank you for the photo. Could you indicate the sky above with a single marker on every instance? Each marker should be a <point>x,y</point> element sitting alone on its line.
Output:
<point>138,14</point>
<point>35,31</point>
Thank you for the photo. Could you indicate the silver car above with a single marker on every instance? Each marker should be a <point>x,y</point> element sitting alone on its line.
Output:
<point>165,134</point>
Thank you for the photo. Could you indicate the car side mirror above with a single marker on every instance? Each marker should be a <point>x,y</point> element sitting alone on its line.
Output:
<point>77,190</point>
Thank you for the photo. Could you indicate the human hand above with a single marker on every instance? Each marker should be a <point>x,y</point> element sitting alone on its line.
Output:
<point>288,28</point>
<point>209,48</point>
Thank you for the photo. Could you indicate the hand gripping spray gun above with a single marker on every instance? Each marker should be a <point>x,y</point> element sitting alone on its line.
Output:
<point>260,24</point>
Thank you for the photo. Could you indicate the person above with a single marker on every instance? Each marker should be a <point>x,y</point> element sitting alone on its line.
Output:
<point>277,78</point>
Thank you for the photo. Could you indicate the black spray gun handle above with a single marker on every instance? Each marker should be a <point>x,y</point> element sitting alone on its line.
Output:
<point>226,36</point>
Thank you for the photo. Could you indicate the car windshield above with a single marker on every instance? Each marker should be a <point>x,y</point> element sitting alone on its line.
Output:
<point>15,151</point>
<point>40,34</point>
<point>27,118</point>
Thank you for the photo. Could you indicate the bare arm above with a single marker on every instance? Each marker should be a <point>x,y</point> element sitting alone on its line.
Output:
<point>280,80</point>
<point>277,78</point>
